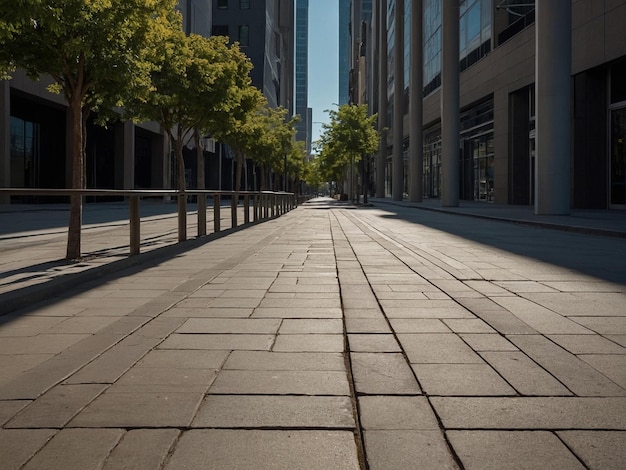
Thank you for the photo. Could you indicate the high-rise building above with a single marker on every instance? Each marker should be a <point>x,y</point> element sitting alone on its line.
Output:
<point>264,30</point>
<point>345,50</point>
<point>507,49</point>
<point>304,127</point>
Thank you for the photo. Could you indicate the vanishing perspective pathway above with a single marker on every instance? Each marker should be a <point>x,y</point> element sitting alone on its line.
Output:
<point>331,337</point>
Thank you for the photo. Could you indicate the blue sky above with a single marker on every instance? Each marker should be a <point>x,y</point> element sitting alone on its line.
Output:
<point>323,60</point>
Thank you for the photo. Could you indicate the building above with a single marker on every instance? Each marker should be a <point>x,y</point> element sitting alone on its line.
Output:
<point>579,160</point>
<point>35,136</point>
<point>304,127</point>
<point>345,50</point>
<point>264,30</point>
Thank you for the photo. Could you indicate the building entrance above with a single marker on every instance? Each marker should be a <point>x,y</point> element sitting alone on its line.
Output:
<point>617,151</point>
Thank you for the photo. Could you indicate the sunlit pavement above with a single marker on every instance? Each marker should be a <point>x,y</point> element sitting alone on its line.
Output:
<point>332,337</point>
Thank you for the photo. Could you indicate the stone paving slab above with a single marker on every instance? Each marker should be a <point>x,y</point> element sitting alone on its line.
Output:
<point>383,374</point>
<point>142,449</point>
<point>597,449</point>
<point>396,413</point>
<point>531,413</point>
<point>408,449</point>
<point>280,382</point>
<point>523,450</point>
<point>268,348</point>
<point>131,408</point>
<point>275,450</point>
<point>17,446</point>
<point>76,448</point>
<point>255,411</point>
<point>55,408</point>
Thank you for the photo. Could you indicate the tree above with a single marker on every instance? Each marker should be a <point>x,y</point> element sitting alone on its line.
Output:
<point>239,126</point>
<point>94,51</point>
<point>346,139</point>
<point>271,140</point>
<point>195,84</point>
<point>312,176</point>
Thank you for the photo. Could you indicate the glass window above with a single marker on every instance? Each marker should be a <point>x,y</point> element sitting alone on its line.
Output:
<point>244,35</point>
<point>618,82</point>
<point>220,30</point>
<point>222,4</point>
<point>244,4</point>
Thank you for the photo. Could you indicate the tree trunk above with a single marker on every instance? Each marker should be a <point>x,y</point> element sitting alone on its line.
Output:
<point>201,185</point>
<point>76,200</point>
<point>182,197</point>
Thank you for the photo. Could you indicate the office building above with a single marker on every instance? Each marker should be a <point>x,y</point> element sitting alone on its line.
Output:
<point>264,30</point>
<point>523,137</point>
<point>304,127</point>
<point>35,136</point>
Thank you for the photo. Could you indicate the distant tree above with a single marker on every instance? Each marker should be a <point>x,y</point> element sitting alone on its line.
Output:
<point>312,176</point>
<point>94,51</point>
<point>345,140</point>
<point>272,141</point>
<point>239,126</point>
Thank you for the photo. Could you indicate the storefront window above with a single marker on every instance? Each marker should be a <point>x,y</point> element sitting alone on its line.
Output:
<point>24,153</point>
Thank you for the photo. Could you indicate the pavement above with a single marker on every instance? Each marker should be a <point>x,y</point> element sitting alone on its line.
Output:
<point>332,337</point>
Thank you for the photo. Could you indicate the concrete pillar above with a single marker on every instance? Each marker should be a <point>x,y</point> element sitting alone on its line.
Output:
<point>125,155</point>
<point>416,94</point>
<point>381,161</point>
<point>450,104</point>
<point>5,139</point>
<point>552,82</point>
<point>397,182</point>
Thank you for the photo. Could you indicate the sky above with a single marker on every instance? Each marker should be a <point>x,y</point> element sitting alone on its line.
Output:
<point>323,60</point>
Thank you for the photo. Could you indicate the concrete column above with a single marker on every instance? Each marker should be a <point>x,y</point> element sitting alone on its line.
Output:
<point>416,94</point>
<point>553,75</point>
<point>381,161</point>
<point>397,183</point>
<point>5,139</point>
<point>125,155</point>
<point>450,104</point>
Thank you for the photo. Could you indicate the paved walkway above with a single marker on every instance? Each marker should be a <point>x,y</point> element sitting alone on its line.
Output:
<point>330,338</point>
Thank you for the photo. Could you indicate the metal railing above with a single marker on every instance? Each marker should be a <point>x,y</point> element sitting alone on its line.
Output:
<point>265,205</point>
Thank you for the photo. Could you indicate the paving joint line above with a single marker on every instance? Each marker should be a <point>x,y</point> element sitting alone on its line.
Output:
<point>424,393</point>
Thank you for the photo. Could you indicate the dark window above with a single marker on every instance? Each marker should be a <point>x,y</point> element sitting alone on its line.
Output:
<point>244,35</point>
<point>618,82</point>
<point>222,4</point>
<point>244,4</point>
<point>220,30</point>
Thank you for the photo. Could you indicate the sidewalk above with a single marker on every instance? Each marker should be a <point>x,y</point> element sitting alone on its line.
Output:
<point>332,337</point>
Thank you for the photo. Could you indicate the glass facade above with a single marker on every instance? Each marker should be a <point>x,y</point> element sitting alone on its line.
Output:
<point>432,45</point>
<point>475,34</point>
<point>617,138</point>
<point>24,138</point>
<point>477,155</point>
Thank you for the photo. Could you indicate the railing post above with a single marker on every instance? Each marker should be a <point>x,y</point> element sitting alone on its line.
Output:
<point>135,222</point>
<point>255,206</point>
<point>201,214</point>
<point>216,213</point>
<point>273,211</point>
<point>182,216</point>
<point>246,209</point>
<point>265,198</point>
<point>234,200</point>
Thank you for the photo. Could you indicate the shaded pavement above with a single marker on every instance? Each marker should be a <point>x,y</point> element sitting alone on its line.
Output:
<point>381,337</point>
